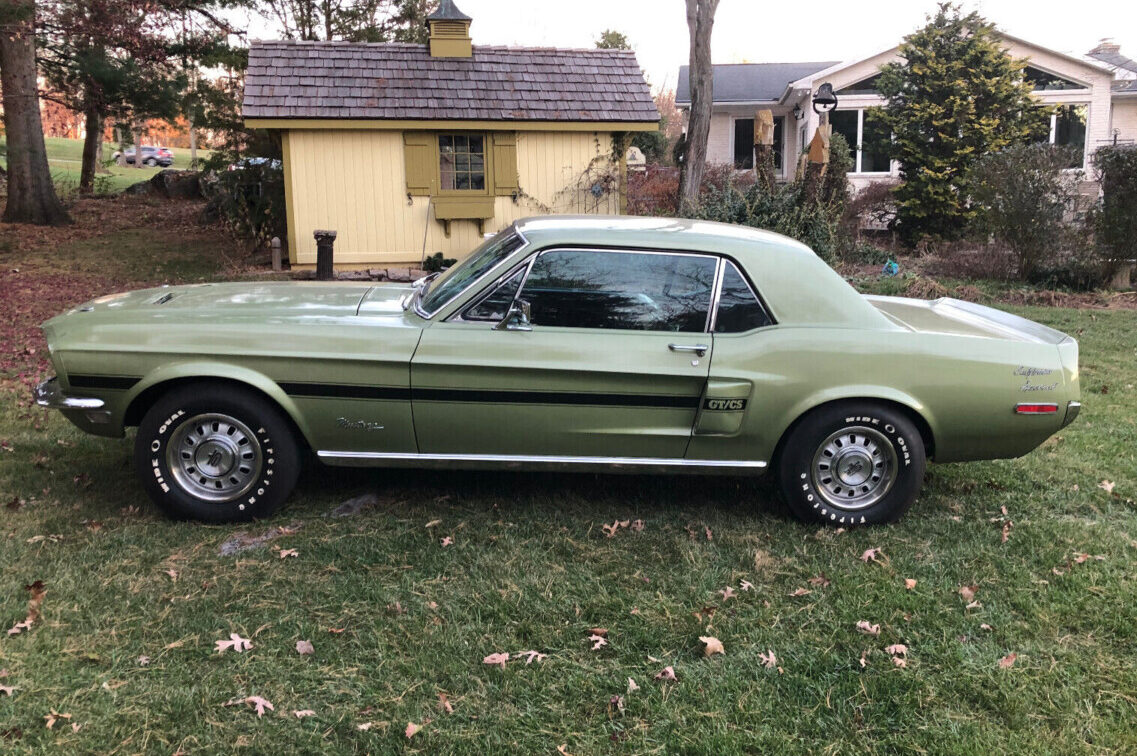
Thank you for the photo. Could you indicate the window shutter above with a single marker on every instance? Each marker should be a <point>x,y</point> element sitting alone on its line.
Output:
<point>505,163</point>
<point>418,152</point>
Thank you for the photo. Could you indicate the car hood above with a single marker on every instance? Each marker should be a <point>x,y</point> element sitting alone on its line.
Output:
<point>242,300</point>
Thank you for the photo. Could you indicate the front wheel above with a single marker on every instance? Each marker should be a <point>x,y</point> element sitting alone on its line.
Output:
<point>216,453</point>
<point>852,463</point>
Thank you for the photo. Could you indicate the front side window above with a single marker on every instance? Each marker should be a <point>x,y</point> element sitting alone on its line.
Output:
<point>462,162</point>
<point>739,308</point>
<point>455,280</point>
<point>633,291</point>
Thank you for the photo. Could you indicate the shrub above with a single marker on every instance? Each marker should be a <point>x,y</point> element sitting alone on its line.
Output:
<point>1115,218</point>
<point>249,200</point>
<point>1025,200</point>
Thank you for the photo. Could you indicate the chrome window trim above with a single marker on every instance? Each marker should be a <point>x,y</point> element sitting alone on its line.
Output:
<point>460,316</point>
<point>757,297</point>
<point>394,459</point>
<point>488,274</point>
<point>716,295</point>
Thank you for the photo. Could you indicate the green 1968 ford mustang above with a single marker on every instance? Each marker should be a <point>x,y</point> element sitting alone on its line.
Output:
<point>578,343</point>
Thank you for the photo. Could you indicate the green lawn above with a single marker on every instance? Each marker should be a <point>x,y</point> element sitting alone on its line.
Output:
<point>65,156</point>
<point>397,619</point>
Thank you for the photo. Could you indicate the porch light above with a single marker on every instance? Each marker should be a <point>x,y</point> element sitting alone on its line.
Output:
<point>825,100</point>
<point>798,112</point>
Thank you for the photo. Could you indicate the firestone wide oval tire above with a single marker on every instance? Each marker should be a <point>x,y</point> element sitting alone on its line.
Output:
<point>852,463</point>
<point>216,453</point>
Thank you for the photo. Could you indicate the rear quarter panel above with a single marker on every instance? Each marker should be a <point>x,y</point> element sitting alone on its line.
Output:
<point>965,388</point>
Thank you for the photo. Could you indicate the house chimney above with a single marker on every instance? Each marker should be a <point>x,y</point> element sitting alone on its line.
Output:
<point>449,32</point>
<point>1106,47</point>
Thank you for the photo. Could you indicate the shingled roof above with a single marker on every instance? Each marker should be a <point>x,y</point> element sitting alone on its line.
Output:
<point>748,82</point>
<point>402,81</point>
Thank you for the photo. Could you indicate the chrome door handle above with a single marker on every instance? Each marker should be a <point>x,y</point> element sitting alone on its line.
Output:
<point>699,349</point>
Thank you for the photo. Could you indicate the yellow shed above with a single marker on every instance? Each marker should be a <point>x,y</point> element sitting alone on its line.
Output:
<point>406,150</point>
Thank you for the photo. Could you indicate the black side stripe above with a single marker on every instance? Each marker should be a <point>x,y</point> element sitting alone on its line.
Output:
<point>101,381</point>
<point>342,391</point>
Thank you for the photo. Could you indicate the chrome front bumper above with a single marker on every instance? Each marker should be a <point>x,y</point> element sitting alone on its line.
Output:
<point>49,394</point>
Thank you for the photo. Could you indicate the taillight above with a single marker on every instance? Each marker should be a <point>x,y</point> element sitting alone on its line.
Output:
<point>1036,409</point>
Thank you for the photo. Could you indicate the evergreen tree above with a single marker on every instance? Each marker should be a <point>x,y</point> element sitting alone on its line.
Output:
<point>955,96</point>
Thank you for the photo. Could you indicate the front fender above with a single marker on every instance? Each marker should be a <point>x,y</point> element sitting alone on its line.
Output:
<point>178,371</point>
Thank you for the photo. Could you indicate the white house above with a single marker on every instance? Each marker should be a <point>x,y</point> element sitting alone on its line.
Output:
<point>1094,99</point>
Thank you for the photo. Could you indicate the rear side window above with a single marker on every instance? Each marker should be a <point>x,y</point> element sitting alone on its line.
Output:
<point>631,291</point>
<point>739,308</point>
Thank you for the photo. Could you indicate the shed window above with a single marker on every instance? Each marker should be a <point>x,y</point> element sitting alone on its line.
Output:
<point>462,162</point>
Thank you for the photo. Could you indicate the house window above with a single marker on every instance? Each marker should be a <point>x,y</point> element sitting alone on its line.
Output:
<point>1068,129</point>
<point>462,162</point>
<point>864,87</point>
<point>1044,81</point>
<point>744,144</point>
<point>869,139</point>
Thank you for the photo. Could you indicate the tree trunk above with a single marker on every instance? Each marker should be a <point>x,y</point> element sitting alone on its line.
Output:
<point>92,143</point>
<point>700,23</point>
<point>31,195</point>
<point>136,135</point>
<point>192,145</point>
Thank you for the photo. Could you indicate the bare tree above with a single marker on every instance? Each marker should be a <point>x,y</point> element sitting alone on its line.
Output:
<point>31,195</point>
<point>700,22</point>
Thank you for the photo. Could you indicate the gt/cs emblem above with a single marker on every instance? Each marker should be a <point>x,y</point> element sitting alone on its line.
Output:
<point>724,405</point>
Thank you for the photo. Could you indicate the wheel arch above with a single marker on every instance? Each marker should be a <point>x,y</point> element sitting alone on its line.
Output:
<point>153,387</point>
<point>905,405</point>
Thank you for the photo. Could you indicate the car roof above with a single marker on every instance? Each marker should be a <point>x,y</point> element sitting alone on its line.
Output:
<point>799,286</point>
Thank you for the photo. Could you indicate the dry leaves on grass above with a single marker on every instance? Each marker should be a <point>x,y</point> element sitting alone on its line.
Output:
<point>713,645</point>
<point>143,661</point>
<point>412,728</point>
<point>7,690</point>
<point>305,648</point>
<point>55,716</point>
<point>871,555</point>
<point>286,553</point>
<point>444,702</point>
<point>769,661</point>
<point>909,583</point>
<point>235,642</point>
<point>801,592</point>
<point>667,673</point>
<point>899,654</point>
<point>967,592</point>
<point>1008,661</point>
<point>819,580</point>
<point>727,593</point>
<point>447,541</point>
<point>868,628</point>
<point>260,705</point>
<point>1107,486</point>
<point>531,656</point>
<point>745,585</point>
<point>632,686</point>
<point>303,713</point>
<point>35,602</point>
<point>499,659</point>
<point>597,641</point>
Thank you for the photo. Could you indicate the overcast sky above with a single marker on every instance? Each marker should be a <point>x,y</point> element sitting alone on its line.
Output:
<point>758,31</point>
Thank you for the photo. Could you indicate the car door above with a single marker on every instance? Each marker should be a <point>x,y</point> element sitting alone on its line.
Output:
<point>612,362</point>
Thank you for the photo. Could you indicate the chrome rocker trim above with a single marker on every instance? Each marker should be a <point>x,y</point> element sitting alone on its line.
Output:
<point>49,394</point>
<point>522,462</point>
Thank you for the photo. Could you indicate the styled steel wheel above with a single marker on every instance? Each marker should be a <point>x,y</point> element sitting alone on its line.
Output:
<point>854,468</point>
<point>214,456</point>
<point>851,463</point>
<point>217,452</point>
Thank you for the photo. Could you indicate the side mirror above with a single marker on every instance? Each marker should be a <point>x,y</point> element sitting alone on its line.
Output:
<point>517,319</point>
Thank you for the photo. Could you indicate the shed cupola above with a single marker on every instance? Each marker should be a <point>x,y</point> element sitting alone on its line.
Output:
<point>449,32</point>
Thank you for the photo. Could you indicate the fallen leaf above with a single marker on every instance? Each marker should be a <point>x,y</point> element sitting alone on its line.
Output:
<point>235,642</point>
<point>173,575</point>
<point>286,553</point>
<point>562,749</point>
<point>897,649</point>
<point>53,717</point>
<point>7,690</point>
<point>667,673</point>
<point>746,585</point>
<point>598,630</point>
<point>143,661</point>
<point>801,592</point>
<point>496,659</point>
<point>432,523</point>
<point>768,659</point>
<point>868,628</point>
<point>820,580</point>
<point>337,630</point>
<point>1007,525</point>
<point>973,605</point>
<point>35,602</point>
<point>727,593</point>
<point>303,713</point>
<point>713,645</point>
<point>864,657</point>
<point>363,727</point>
<point>598,641</point>
<point>1107,486</point>
<point>871,555</point>
<point>900,661</point>
<point>304,648</point>
<point>444,702</point>
<point>617,703</point>
<point>260,705</point>
<point>532,656</point>
<point>985,626</point>
<point>707,531</point>
<point>610,530</point>
<point>637,526</point>
<point>632,685</point>
<point>909,583</point>
<point>447,541</point>
<point>1008,661</point>
<point>412,728</point>
<point>968,592</point>
<point>14,503</point>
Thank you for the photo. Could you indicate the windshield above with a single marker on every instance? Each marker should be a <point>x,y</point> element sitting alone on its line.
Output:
<point>454,281</point>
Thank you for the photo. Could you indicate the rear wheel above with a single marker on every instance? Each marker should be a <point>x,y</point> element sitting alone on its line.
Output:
<point>150,162</point>
<point>852,463</point>
<point>216,453</point>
